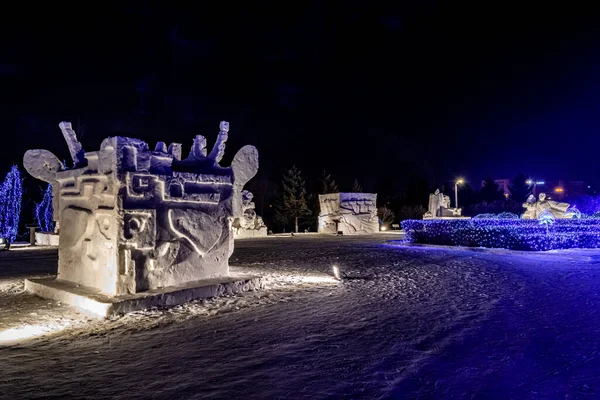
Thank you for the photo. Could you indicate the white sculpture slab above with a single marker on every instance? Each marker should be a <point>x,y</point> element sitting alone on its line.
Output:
<point>134,220</point>
<point>349,213</point>
<point>249,225</point>
<point>439,207</point>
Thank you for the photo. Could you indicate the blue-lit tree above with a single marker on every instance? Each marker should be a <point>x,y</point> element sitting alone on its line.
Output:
<point>44,212</point>
<point>11,196</point>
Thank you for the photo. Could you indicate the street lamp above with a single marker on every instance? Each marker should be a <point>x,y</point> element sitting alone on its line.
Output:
<point>456,192</point>
<point>531,183</point>
<point>535,184</point>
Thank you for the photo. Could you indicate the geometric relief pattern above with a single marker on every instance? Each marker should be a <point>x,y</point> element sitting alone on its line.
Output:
<point>349,213</point>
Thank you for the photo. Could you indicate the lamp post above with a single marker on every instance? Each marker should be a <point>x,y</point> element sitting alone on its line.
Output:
<point>456,192</point>
<point>535,184</point>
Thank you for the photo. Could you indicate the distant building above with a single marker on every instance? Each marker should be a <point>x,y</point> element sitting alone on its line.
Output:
<point>561,190</point>
<point>576,188</point>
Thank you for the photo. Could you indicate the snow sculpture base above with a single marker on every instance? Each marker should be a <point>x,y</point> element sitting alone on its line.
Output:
<point>349,213</point>
<point>250,233</point>
<point>98,305</point>
<point>46,239</point>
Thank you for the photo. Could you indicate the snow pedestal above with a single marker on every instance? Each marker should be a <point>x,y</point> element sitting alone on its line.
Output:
<point>349,213</point>
<point>141,228</point>
<point>46,239</point>
<point>249,225</point>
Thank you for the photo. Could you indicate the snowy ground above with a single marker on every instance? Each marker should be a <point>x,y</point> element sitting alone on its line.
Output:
<point>408,322</point>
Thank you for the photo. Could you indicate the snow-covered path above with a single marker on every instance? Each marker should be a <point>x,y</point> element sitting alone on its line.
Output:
<point>408,322</point>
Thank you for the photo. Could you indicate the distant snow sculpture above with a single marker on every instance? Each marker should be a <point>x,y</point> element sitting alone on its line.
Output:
<point>349,213</point>
<point>439,206</point>
<point>249,224</point>
<point>535,208</point>
<point>132,219</point>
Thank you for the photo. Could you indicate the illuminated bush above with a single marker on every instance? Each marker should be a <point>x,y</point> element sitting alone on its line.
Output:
<point>44,213</point>
<point>514,234</point>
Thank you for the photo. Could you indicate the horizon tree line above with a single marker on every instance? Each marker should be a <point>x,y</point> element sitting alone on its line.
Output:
<point>295,204</point>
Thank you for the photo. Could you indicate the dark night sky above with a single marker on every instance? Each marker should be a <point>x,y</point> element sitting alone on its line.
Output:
<point>365,90</point>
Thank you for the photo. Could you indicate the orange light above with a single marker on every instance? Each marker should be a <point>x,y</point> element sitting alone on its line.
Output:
<point>558,190</point>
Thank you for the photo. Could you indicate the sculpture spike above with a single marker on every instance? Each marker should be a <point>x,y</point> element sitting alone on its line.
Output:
<point>218,150</point>
<point>161,147</point>
<point>75,147</point>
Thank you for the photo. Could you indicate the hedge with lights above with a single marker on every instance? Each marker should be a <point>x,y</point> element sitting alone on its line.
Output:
<point>513,234</point>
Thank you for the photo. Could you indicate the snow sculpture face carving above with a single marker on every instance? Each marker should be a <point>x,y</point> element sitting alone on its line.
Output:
<point>134,219</point>
<point>351,213</point>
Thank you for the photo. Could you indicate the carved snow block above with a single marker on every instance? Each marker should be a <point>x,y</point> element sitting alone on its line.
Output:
<point>133,220</point>
<point>349,213</point>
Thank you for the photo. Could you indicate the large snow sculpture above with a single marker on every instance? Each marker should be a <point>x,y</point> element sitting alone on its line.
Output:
<point>133,220</point>
<point>439,207</point>
<point>249,224</point>
<point>349,213</point>
<point>535,208</point>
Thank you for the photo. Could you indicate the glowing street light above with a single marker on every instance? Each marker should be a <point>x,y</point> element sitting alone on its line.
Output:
<point>456,192</point>
<point>535,184</point>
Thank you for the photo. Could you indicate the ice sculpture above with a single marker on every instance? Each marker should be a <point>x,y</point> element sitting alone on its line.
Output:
<point>349,213</point>
<point>132,219</point>
<point>249,224</point>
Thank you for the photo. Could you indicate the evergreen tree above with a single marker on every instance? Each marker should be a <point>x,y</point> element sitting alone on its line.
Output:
<point>519,188</point>
<point>11,196</point>
<point>490,191</point>
<point>466,195</point>
<point>356,188</point>
<point>386,216</point>
<point>292,204</point>
<point>43,212</point>
<point>328,185</point>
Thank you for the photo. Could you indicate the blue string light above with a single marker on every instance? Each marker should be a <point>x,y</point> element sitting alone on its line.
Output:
<point>513,234</point>
<point>44,213</point>
<point>11,196</point>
